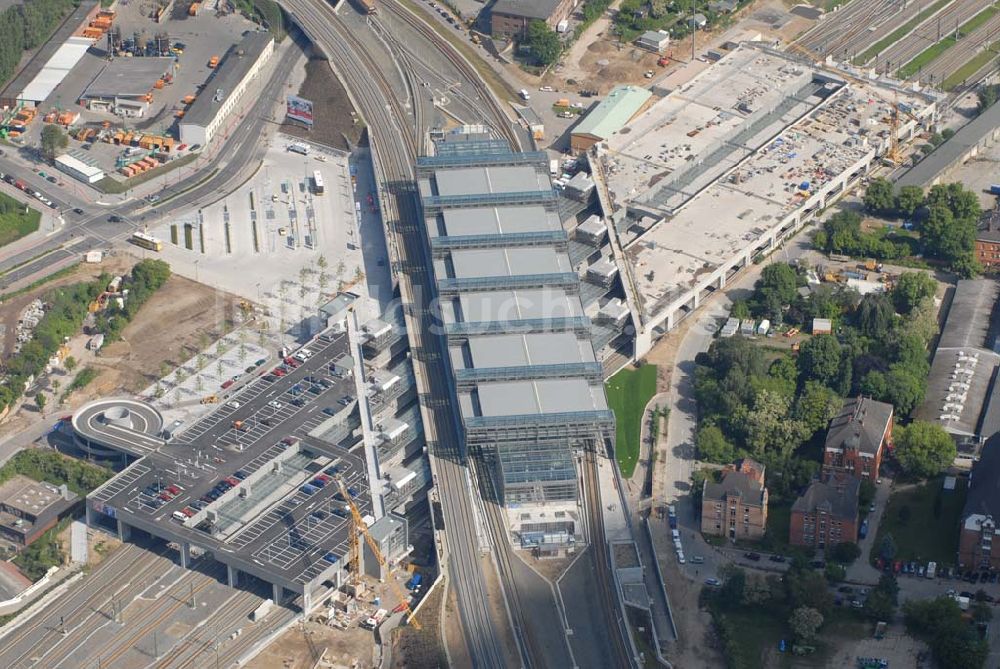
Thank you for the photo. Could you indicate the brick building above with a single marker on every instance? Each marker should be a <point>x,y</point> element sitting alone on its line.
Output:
<point>981,515</point>
<point>510,18</point>
<point>988,240</point>
<point>857,438</point>
<point>827,513</point>
<point>28,508</point>
<point>737,507</point>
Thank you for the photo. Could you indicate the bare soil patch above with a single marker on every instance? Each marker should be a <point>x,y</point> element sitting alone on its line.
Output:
<point>302,645</point>
<point>335,122</point>
<point>413,648</point>
<point>181,319</point>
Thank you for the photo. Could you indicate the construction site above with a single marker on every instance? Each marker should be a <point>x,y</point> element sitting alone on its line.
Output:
<point>757,144</point>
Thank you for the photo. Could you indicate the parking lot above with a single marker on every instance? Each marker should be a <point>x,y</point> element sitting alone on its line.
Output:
<point>299,413</point>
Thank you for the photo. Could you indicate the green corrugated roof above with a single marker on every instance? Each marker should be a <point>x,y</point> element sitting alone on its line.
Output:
<point>613,112</point>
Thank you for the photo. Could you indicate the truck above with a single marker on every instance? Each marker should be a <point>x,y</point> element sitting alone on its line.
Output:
<point>553,167</point>
<point>415,581</point>
<point>96,342</point>
<point>863,532</point>
<point>299,147</point>
<point>931,569</point>
<point>261,610</point>
<point>213,61</point>
<point>525,95</point>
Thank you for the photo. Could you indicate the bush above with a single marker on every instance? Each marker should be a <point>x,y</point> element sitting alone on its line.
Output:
<point>54,467</point>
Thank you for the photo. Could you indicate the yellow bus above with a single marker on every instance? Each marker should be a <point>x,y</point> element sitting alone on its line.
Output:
<point>146,241</point>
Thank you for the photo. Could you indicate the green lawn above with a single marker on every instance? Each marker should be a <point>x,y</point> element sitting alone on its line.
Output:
<point>923,529</point>
<point>628,393</point>
<point>15,222</point>
<point>899,33</point>
<point>758,633</point>
<point>925,57</point>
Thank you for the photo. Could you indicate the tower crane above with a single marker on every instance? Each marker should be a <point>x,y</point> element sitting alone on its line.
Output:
<point>893,154</point>
<point>353,560</point>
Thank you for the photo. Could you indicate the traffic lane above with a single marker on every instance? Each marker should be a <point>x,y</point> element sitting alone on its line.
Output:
<point>254,120</point>
<point>861,570</point>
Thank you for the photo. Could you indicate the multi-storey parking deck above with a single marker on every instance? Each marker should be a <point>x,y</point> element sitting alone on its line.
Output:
<point>253,482</point>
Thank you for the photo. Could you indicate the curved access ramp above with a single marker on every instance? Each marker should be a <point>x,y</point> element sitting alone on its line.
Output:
<point>110,427</point>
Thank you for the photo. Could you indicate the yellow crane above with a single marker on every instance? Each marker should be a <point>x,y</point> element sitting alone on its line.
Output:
<point>360,526</point>
<point>894,154</point>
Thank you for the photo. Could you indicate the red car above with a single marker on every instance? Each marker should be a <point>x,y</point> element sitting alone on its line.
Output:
<point>173,489</point>
<point>277,371</point>
<point>289,440</point>
<point>227,384</point>
<point>187,511</point>
<point>165,496</point>
<point>293,363</point>
<point>233,481</point>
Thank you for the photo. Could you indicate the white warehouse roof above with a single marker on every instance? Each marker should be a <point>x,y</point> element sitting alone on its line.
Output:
<point>62,61</point>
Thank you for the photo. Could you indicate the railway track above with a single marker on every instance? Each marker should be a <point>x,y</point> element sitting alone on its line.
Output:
<point>131,564</point>
<point>110,654</point>
<point>848,31</point>
<point>962,52</point>
<point>929,32</point>
<point>205,638</point>
<point>494,113</point>
<point>601,560</point>
<point>394,152</point>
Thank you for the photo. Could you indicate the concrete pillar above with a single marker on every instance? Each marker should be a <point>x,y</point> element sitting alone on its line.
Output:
<point>90,516</point>
<point>697,299</point>
<point>185,555</point>
<point>124,531</point>
<point>722,281</point>
<point>306,599</point>
<point>276,593</point>
<point>233,576</point>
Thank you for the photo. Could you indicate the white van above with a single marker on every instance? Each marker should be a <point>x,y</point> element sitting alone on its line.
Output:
<point>525,95</point>
<point>177,515</point>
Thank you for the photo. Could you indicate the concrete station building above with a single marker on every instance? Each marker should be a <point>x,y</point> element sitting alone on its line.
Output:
<point>527,384</point>
<point>271,439</point>
<point>224,90</point>
<point>756,145</point>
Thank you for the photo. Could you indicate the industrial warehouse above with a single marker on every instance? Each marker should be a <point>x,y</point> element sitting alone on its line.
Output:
<point>756,144</point>
<point>529,389</point>
<point>262,483</point>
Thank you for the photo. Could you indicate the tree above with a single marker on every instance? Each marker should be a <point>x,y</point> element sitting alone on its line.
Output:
<point>911,289</point>
<point>40,402</point>
<point>904,389</point>
<point>845,552</point>
<point>819,359</point>
<point>69,363</point>
<point>909,199</point>
<point>879,198</point>
<point>778,280</point>
<point>543,42</point>
<point>805,623</point>
<point>815,406</point>
<point>981,611</point>
<point>887,548</point>
<point>713,446</point>
<point>54,140</point>
<point>924,449</point>
<point>953,642</point>
<point>879,606</point>
<point>875,315</point>
<point>873,384</point>
<point>834,572</point>
<point>808,588</point>
<point>740,310</point>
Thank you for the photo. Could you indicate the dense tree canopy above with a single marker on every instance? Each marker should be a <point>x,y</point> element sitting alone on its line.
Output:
<point>923,448</point>
<point>911,289</point>
<point>543,42</point>
<point>953,642</point>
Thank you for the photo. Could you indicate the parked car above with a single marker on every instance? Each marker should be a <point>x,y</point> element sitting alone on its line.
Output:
<point>755,557</point>
<point>713,582</point>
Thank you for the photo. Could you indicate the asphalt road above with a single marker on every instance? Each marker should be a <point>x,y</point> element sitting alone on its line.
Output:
<point>92,230</point>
